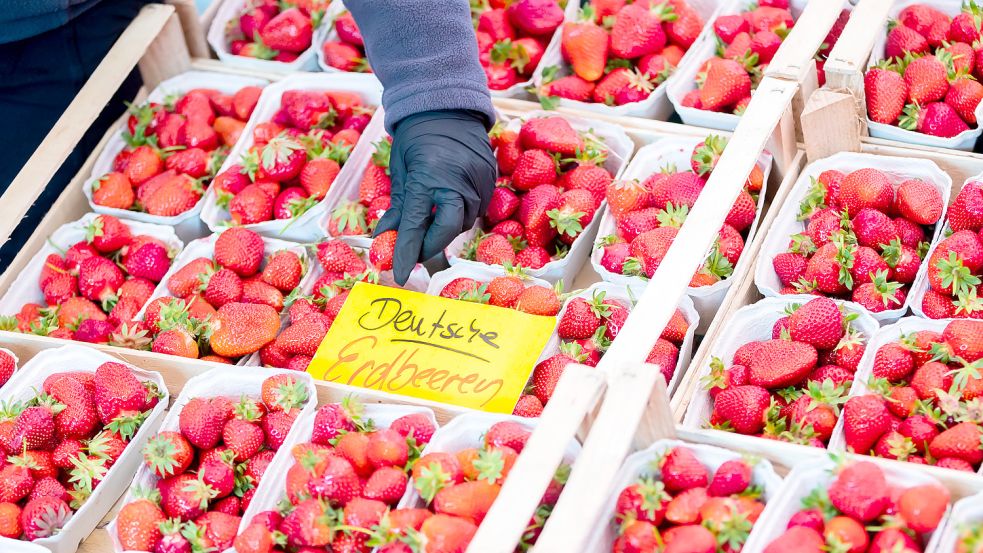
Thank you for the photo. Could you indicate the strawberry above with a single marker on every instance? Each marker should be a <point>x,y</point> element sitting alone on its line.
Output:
<point>681,470</point>
<point>638,30</point>
<point>626,196</point>
<point>726,82</point>
<point>781,363</point>
<point>866,188</point>
<point>495,249</point>
<point>962,441</point>
<point>743,407</point>
<point>860,491</point>
<point>865,420</point>
<point>893,362</point>
<point>964,95</point>
<point>589,177</point>
<point>538,300</point>
<point>797,539</point>
<point>150,261</point>
<point>966,212</point>
<point>113,190</point>
<point>290,30</point>
<point>168,454</point>
<point>44,517</point>
<point>240,250</point>
<point>99,279</point>
<point>107,234</point>
<point>528,406</point>
<point>533,168</point>
<point>504,291</point>
<point>585,46</point>
<point>382,250</point>
<point>927,80</point>
<point>818,322</point>
<point>284,392</point>
<point>535,17</point>
<point>137,525</point>
<point>935,119</point>
<point>553,134</point>
<point>253,204</point>
<point>886,92</point>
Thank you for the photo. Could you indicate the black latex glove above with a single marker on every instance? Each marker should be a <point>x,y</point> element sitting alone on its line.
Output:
<point>439,159</point>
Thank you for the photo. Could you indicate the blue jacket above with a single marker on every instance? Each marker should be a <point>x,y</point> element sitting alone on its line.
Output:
<point>20,19</point>
<point>425,54</point>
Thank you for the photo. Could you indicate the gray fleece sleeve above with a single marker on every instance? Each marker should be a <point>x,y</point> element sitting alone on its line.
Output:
<point>425,54</point>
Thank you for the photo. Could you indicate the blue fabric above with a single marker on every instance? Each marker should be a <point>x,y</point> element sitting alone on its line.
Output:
<point>20,19</point>
<point>425,54</point>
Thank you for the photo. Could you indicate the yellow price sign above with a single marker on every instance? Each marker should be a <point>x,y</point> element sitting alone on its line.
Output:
<point>434,348</point>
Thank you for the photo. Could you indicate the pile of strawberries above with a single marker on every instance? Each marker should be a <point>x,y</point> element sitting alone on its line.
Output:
<point>294,158</point>
<point>510,291</point>
<point>586,329</point>
<point>649,214</point>
<point>62,443</point>
<point>359,218</point>
<point>551,183</point>
<point>864,240</point>
<point>791,387</point>
<point>861,511</point>
<point>924,401</point>
<point>273,30</point>
<point>746,43</point>
<point>928,79</point>
<point>208,471</point>
<point>311,316</point>
<point>348,52</point>
<point>173,150</point>
<point>342,485</point>
<point>683,508</point>
<point>512,37</point>
<point>955,268</point>
<point>95,289</point>
<point>619,53</point>
<point>460,487</point>
<point>225,308</point>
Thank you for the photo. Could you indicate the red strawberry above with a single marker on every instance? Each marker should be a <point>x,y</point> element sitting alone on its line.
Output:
<point>818,322</point>
<point>964,95</point>
<point>726,82</point>
<point>240,250</point>
<point>732,477</point>
<point>681,470</point>
<point>902,40</point>
<point>638,30</point>
<point>382,250</point>
<point>585,45</point>
<point>290,31</point>
<point>935,119</point>
<point>860,491</point>
<point>866,188</point>
<point>886,93</point>
<point>865,420</point>
<point>553,134</point>
<point>927,80</point>
<point>781,363</point>
<point>743,407</point>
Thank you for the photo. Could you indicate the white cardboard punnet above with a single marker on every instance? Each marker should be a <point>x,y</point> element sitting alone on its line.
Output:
<point>227,17</point>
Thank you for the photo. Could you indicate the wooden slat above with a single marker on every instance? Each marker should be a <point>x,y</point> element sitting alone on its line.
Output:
<point>795,57</point>
<point>503,526</point>
<point>191,24</point>
<point>83,110</point>
<point>831,124</point>
<point>848,59</point>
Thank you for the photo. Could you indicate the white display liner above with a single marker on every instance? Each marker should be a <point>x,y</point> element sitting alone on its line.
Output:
<point>16,365</point>
<point>620,148</point>
<point>25,288</point>
<point>187,225</point>
<point>657,106</point>
<point>651,159</point>
<point>754,323</point>
<point>24,384</point>
<point>518,90</point>
<point>639,463</point>
<point>267,497</point>
<point>303,228</point>
<point>812,474</point>
<point>966,510</point>
<point>468,430</point>
<point>885,335</point>
<point>230,382</point>
<point>785,224</point>
<point>962,141</point>
<point>621,292</point>
<point>229,10</point>
<point>418,281</point>
<point>684,80</point>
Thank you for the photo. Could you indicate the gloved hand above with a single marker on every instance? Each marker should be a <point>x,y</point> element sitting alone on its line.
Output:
<point>439,159</point>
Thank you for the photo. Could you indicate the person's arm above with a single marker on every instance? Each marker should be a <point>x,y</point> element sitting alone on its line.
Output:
<point>426,56</point>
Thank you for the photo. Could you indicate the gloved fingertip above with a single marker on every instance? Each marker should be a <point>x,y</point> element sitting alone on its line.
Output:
<point>389,221</point>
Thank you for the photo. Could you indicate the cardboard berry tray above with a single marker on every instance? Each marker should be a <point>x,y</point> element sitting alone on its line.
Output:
<point>304,227</point>
<point>24,384</point>
<point>749,324</point>
<point>650,159</point>
<point>966,512</point>
<point>25,288</point>
<point>230,382</point>
<point>639,463</point>
<point>786,223</point>
<point>620,148</point>
<point>187,225</point>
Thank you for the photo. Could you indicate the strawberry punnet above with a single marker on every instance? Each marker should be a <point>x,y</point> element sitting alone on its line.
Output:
<point>858,509</point>
<point>60,445</point>
<point>95,288</point>
<point>648,215</point>
<point>270,30</point>
<point>864,238</point>
<point>294,158</point>
<point>358,217</point>
<point>173,151</point>
<point>551,185</point>
<point>620,55</point>
<point>927,82</point>
<point>206,472</point>
<point>791,387</point>
<point>226,306</point>
<point>921,402</point>
<point>679,499</point>
<point>344,485</point>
